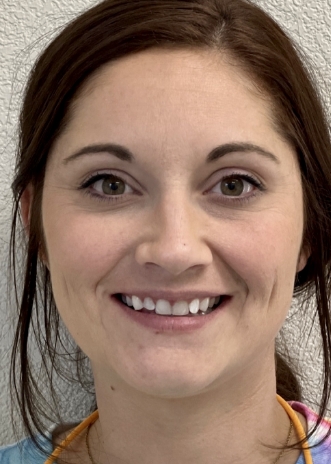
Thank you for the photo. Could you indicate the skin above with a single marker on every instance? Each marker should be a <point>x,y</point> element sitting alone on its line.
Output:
<point>210,394</point>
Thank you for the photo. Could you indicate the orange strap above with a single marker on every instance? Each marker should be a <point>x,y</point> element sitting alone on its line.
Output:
<point>298,427</point>
<point>94,416</point>
<point>72,435</point>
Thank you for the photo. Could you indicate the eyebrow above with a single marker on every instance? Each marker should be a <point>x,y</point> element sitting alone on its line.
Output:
<point>218,152</point>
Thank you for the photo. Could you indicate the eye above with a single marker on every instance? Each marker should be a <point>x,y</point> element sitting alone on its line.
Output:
<point>110,185</point>
<point>231,187</point>
<point>235,186</point>
<point>106,187</point>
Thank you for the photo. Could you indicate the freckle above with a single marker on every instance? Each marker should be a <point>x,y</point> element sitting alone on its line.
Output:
<point>156,333</point>
<point>112,388</point>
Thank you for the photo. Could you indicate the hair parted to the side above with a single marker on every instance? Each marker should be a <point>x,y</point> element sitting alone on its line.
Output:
<point>114,29</point>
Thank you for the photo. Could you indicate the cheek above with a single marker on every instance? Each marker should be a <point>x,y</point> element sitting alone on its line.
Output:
<point>83,251</point>
<point>85,245</point>
<point>262,253</point>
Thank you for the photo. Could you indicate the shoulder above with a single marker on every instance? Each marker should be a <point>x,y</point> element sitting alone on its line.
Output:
<point>25,452</point>
<point>322,453</point>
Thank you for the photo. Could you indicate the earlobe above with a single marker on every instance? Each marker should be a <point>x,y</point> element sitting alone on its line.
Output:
<point>26,202</point>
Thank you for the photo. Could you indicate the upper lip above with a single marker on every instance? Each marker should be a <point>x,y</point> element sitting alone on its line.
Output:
<point>172,296</point>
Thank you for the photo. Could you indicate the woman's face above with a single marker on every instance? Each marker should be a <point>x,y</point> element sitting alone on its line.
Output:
<point>178,224</point>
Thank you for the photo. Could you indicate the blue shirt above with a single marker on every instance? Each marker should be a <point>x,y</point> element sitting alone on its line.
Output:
<point>25,452</point>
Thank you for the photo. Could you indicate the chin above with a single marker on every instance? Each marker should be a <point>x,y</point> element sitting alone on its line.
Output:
<point>167,382</point>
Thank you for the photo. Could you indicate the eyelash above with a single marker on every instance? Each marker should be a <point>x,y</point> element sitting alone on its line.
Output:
<point>99,176</point>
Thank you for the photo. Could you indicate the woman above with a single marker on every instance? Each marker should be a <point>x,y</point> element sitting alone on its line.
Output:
<point>173,179</point>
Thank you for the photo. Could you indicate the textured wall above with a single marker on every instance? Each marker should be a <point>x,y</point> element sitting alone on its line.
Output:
<point>25,27</point>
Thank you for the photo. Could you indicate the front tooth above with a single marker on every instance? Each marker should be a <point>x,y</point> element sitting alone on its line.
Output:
<point>180,308</point>
<point>137,303</point>
<point>211,302</point>
<point>149,304</point>
<point>128,301</point>
<point>194,306</point>
<point>204,304</point>
<point>163,307</point>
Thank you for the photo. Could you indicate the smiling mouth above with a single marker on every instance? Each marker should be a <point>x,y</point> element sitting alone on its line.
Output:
<point>164,309</point>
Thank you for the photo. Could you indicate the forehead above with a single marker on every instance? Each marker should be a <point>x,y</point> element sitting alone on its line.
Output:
<point>170,99</point>
<point>155,75</point>
<point>191,73</point>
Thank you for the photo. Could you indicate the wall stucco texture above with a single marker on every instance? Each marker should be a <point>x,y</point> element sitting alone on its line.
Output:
<point>26,26</point>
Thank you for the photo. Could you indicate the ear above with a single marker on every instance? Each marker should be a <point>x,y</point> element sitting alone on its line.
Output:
<point>303,258</point>
<point>26,203</point>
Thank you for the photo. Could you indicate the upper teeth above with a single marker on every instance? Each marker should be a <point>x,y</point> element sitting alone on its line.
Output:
<point>180,308</point>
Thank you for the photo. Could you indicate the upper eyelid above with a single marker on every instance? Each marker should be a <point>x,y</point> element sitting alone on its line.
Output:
<point>233,172</point>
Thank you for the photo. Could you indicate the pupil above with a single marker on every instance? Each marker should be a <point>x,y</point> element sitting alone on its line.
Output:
<point>232,185</point>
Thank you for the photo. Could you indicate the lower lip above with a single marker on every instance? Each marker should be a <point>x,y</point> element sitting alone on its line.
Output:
<point>172,323</point>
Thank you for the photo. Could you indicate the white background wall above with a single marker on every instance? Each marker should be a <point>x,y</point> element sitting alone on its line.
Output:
<point>26,26</point>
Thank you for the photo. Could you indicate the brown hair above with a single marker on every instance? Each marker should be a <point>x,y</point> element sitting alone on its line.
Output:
<point>115,29</point>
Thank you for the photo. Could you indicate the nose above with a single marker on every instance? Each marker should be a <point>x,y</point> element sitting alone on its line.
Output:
<point>175,238</point>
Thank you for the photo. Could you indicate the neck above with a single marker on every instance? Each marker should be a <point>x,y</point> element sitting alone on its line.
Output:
<point>221,424</point>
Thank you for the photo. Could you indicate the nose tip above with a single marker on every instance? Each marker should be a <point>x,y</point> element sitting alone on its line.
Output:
<point>174,255</point>
<point>175,260</point>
